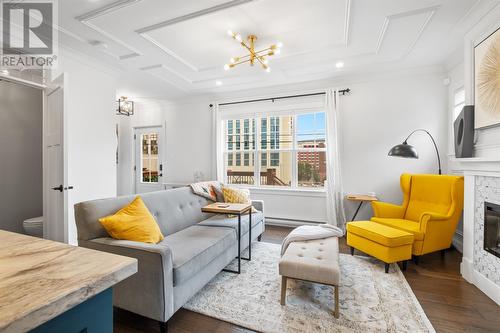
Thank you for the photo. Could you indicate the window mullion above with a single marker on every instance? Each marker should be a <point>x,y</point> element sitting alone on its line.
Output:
<point>295,176</point>
<point>257,151</point>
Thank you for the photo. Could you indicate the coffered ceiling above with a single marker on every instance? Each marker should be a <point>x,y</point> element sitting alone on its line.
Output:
<point>179,47</point>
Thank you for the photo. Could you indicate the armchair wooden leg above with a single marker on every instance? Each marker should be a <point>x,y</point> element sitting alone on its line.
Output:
<point>416,259</point>
<point>405,262</point>
<point>163,326</point>
<point>443,253</point>
<point>283,290</point>
<point>336,313</point>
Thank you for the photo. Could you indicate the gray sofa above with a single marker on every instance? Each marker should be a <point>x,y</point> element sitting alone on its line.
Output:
<point>196,247</point>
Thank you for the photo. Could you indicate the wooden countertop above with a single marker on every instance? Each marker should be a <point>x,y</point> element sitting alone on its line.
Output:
<point>40,279</point>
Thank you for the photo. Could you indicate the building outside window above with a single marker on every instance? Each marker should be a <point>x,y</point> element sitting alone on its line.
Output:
<point>290,150</point>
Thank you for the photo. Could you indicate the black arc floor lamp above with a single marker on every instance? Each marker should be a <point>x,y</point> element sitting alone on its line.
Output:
<point>408,151</point>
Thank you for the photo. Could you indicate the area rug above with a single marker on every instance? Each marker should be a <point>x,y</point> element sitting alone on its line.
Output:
<point>370,300</point>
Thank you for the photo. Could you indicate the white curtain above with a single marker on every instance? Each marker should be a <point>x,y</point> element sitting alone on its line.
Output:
<point>218,144</point>
<point>335,196</point>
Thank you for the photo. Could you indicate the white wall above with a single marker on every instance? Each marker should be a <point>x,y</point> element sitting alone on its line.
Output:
<point>379,113</point>
<point>487,140</point>
<point>21,188</point>
<point>188,138</point>
<point>91,142</point>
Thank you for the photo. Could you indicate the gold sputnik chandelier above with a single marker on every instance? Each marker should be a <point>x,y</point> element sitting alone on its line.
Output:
<point>253,56</point>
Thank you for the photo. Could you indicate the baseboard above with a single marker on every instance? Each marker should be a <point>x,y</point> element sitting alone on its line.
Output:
<point>466,269</point>
<point>458,242</point>
<point>488,287</point>
<point>282,222</point>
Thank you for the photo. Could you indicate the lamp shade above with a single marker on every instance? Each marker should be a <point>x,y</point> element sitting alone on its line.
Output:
<point>404,150</point>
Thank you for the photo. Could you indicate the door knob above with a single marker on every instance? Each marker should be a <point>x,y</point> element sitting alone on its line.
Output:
<point>59,188</point>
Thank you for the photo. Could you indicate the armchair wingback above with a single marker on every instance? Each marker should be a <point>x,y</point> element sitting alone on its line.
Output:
<point>431,208</point>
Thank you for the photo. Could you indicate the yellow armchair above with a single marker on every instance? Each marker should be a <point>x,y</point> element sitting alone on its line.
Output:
<point>431,208</point>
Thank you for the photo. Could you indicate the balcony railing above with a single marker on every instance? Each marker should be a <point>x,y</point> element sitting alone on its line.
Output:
<point>267,177</point>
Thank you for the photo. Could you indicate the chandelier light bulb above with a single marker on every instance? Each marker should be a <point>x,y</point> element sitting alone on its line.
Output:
<point>339,64</point>
<point>218,83</point>
<point>255,55</point>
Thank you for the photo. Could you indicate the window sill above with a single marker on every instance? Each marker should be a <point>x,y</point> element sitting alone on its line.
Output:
<point>316,192</point>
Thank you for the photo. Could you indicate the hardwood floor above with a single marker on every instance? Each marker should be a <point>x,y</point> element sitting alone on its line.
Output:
<point>451,304</point>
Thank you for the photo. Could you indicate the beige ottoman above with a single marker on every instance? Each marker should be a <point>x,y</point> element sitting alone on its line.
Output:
<point>313,261</point>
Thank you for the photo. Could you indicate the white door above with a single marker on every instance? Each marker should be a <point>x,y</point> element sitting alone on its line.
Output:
<point>55,178</point>
<point>148,159</point>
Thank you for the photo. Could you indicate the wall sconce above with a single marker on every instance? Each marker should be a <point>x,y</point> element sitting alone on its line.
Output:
<point>125,107</point>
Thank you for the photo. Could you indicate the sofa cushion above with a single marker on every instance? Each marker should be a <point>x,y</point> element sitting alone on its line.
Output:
<point>380,233</point>
<point>195,247</point>
<point>401,224</point>
<point>221,220</point>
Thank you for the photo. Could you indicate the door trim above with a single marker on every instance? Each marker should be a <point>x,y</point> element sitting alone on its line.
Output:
<point>60,82</point>
<point>162,148</point>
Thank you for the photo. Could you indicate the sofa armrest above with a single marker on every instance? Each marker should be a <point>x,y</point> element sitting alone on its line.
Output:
<point>150,291</point>
<point>387,210</point>
<point>259,205</point>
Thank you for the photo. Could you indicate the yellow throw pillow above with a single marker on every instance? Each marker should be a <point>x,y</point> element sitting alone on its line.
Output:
<point>237,195</point>
<point>133,222</point>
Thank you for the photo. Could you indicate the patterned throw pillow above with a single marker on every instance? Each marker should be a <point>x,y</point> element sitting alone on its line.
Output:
<point>206,189</point>
<point>237,195</point>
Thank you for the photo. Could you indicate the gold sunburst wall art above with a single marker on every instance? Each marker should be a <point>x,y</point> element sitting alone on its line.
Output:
<point>487,81</point>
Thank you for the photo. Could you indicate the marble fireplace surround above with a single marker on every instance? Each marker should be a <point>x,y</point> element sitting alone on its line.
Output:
<point>482,183</point>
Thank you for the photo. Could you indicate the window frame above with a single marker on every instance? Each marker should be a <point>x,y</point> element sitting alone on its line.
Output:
<point>256,149</point>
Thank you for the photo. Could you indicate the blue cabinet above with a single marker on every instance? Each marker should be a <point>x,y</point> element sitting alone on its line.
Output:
<point>95,315</point>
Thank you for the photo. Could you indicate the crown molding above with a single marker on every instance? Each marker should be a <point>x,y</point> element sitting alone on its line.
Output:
<point>104,10</point>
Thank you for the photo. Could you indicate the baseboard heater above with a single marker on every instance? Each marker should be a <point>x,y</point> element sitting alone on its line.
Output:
<point>281,221</point>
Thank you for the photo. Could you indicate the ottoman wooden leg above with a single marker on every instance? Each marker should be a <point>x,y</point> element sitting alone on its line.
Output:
<point>336,313</point>
<point>352,251</point>
<point>283,290</point>
<point>387,268</point>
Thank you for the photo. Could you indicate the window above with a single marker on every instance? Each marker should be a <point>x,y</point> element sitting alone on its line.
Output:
<point>290,150</point>
<point>149,158</point>
<point>311,154</point>
<point>230,135</point>
<point>459,102</point>
<point>237,136</point>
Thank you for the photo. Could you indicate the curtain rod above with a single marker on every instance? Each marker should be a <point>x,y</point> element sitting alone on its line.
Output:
<point>343,92</point>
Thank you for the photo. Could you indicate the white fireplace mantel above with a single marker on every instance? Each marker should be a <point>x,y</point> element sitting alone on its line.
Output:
<point>474,169</point>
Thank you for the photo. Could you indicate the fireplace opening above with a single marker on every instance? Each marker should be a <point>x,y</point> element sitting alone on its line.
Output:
<point>491,241</point>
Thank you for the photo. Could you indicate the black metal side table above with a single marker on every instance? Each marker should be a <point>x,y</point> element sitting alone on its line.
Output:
<point>238,210</point>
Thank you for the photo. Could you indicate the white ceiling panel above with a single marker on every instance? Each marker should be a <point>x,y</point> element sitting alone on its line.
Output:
<point>182,44</point>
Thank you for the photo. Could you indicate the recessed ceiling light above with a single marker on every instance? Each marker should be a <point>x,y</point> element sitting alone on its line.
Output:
<point>339,64</point>
<point>218,83</point>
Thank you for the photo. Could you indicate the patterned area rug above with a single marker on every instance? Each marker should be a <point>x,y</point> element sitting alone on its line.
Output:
<point>370,300</point>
